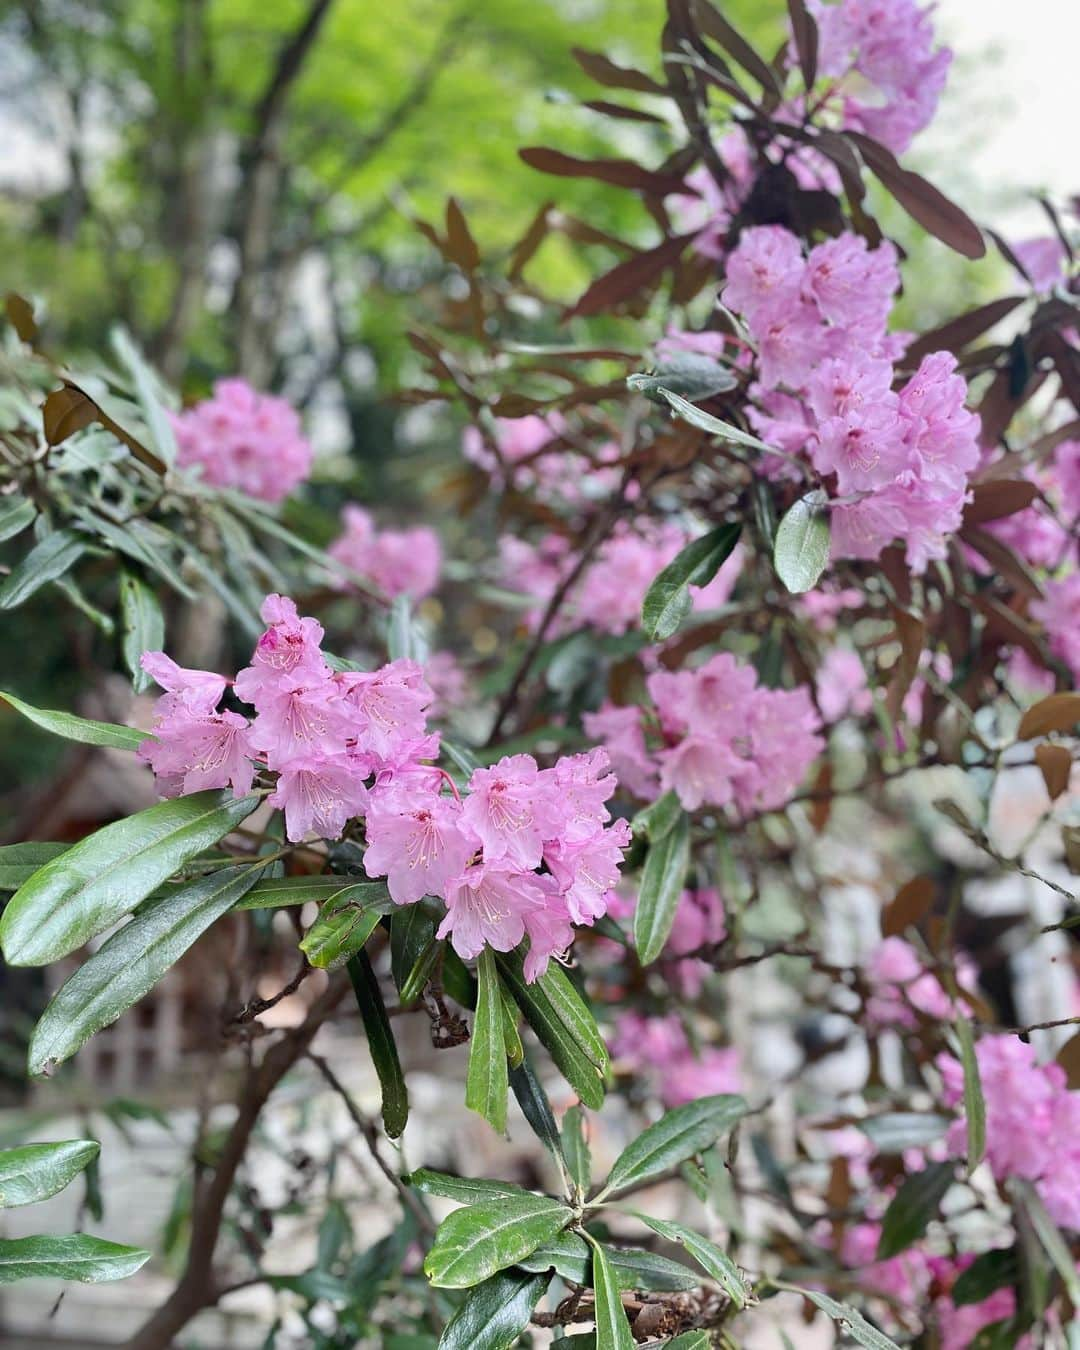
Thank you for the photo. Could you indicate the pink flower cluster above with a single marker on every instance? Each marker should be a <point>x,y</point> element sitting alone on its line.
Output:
<point>699,922</point>
<point>660,1047</point>
<point>609,595</point>
<point>903,988</point>
<point>888,76</point>
<point>1059,613</point>
<point>1032,1121</point>
<point>536,453</point>
<point>897,462</point>
<point>841,686</point>
<point>396,562</point>
<point>355,744</point>
<point>724,739</point>
<point>244,440</point>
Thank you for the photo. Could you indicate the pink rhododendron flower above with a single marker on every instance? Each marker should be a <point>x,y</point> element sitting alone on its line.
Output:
<point>660,1047</point>
<point>486,906</point>
<point>416,841</point>
<point>320,793</point>
<point>193,750</point>
<point>1043,259</point>
<point>447,681</point>
<point>196,691</point>
<point>396,562</point>
<point>511,809</point>
<point>903,987</point>
<point>244,440</point>
<point>841,685</point>
<point>621,732</point>
<point>1067,475</point>
<point>1059,613</point>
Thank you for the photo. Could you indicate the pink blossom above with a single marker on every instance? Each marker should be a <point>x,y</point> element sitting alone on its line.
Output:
<point>1043,259</point>
<point>1059,613</point>
<point>244,440</point>
<point>416,841</point>
<point>306,722</point>
<point>447,681</point>
<point>287,655</point>
<point>621,732</point>
<point>851,284</point>
<point>486,906</point>
<point>587,869</point>
<point>766,270</point>
<point>841,685</point>
<point>389,706</point>
<point>791,341</point>
<point>511,809</point>
<point>700,769</point>
<point>688,1076</point>
<point>319,793</point>
<point>1067,475</point>
<point>193,750</point>
<point>942,435</point>
<point>396,562</point>
<point>197,691</point>
<point>710,700</point>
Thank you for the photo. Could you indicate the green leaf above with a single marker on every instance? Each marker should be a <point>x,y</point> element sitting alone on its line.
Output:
<point>81,729</point>
<point>575,1014</point>
<point>131,962</point>
<point>475,1242</point>
<point>143,626</point>
<point>148,392</point>
<point>708,1255</point>
<point>706,422</point>
<point>688,374</point>
<point>413,950</point>
<point>50,558</point>
<point>515,1051</point>
<point>487,1082</point>
<point>667,601</point>
<point>1049,1236</point>
<point>89,1260</point>
<point>676,1136</point>
<point>570,1256</point>
<point>895,1131</point>
<point>912,1207</point>
<point>612,1325</point>
<point>36,1171</point>
<point>536,1109</point>
<point>801,551</point>
<point>974,1102</point>
<point>495,1313</point>
<point>403,641</point>
<point>19,862</point>
<point>103,877</point>
<point>662,880</point>
<point>344,924</point>
<point>658,819</point>
<point>849,1319</point>
<point>468,1190</point>
<point>993,1270</point>
<point>575,1149</point>
<point>384,1055</point>
<point>690,1340</point>
<point>275,892</point>
<point>458,980</point>
<point>558,1022</point>
<point>15,514</point>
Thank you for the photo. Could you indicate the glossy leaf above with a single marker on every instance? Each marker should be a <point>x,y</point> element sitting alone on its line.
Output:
<point>990,1271</point>
<point>103,877</point>
<point>676,1136</point>
<point>713,1260</point>
<point>466,1190</point>
<point>131,962</point>
<point>344,923</point>
<point>515,1051</point>
<point>19,862</point>
<point>50,558</point>
<point>414,950</point>
<point>89,1260</point>
<point>569,1255</point>
<point>148,392</point>
<point>659,818</point>
<point>801,550</point>
<point>277,892</point>
<point>688,374</point>
<point>612,1325</point>
<point>475,1242</point>
<point>912,1207</point>
<point>560,1022</point>
<point>16,513</point>
<point>383,1047</point>
<point>706,422</point>
<point>82,729</point>
<point>143,626</point>
<point>974,1102</point>
<point>575,1148</point>
<point>662,881</point>
<point>487,1083</point>
<point>33,1172</point>
<point>495,1313</point>
<point>667,601</point>
<point>849,1319</point>
<point>536,1109</point>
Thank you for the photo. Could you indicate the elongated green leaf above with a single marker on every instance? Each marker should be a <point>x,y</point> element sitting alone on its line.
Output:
<point>570,1256</point>
<point>688,374</point>
<point>89,1260</point>
<point>989,1272</point>
<point>849,1319</point>
<point>144,626</point>
<point>801,550</point>
<point>612,1325</point>
<point>662,881</point>
<point>50,558</point>
<point>19,862</point>
<point>974,1102</point>
<point>1048,1233</point>
<point>912,1207</point>
<point>487,1082</point>
<point>380,1034</point>
<point>148,391</point>
<point>103,877</point>
<point>708,1255</point>
<point>475,1242</point>
<point>74,728</point>
<point>575,1149</point>
<point>559,1036</point>
<point>36,1171</point>
<point>403,639</point>
<point>276,892</point>
<point>131,962</point>
<point>15,514</point>
<point>495,1313</point>
<point>667,601</point>
<point>659,818</point>
<point>706,422</point>
<point>413,949</point>
<point>515,1051</point>
<point>468,1190</point>
<point>575,1014</point>
<point>895,1131</point>
<point>344,924</point>
<point>536,1109</point>
<point>676,1136</point>
<point>690,1340</point>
